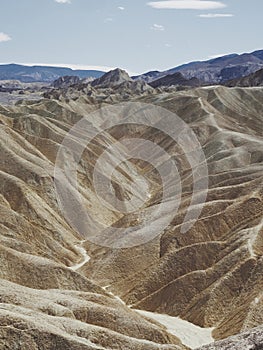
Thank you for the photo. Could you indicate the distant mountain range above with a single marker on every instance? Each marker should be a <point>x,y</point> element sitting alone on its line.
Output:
<point>33,74</point>
<point>215,71</point>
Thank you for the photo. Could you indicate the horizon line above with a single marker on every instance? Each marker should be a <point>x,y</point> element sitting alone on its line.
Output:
<point>107,68</point>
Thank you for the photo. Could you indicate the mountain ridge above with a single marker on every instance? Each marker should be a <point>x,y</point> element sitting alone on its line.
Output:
<point>216,70</point>
<point>30,74</point>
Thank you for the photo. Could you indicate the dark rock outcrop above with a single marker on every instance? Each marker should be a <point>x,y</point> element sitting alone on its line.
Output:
<point>254,79</point>
<point>176,79</point>
<point>66,81</point>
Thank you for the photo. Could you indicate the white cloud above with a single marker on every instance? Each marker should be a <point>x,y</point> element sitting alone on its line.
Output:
<point>63,1</point>
<point>109,19</point>
<point>216,15</point>
<point>121,8</point>
<point>158,27</point>
<point>4,37</point>
<point>187,4</point>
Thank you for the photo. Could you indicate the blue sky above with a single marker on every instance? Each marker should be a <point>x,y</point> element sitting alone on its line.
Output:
<point>137,35</point>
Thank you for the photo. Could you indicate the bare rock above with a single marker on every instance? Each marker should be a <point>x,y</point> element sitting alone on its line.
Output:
<point>251,340</point>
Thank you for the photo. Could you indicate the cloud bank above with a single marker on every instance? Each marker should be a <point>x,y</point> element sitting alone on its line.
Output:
<point>216,15</point>
<point>187,4</point>
<point>63,1</point>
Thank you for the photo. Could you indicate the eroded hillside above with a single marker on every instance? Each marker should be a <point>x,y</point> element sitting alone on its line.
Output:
<point>211,275</point>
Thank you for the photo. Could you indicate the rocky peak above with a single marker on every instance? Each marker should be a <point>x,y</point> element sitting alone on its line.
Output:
<point>112,78</point>
<point>65,81</point>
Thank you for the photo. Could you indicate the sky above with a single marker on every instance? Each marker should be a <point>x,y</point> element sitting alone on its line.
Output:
<point>136,35</point>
